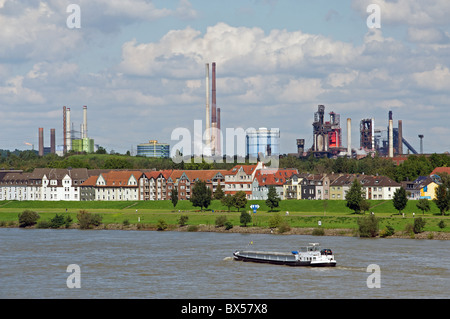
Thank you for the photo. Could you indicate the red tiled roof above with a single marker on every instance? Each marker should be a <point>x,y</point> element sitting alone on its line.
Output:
<point>248,169</point>
<point>120,178</point>
<point>274,176</point>
<point>440,170</point>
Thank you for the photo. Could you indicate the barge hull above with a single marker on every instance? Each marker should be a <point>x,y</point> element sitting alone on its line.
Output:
<point>294,263</point>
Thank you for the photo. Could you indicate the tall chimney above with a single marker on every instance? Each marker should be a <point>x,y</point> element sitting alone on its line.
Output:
<point>208,115</point>
<point>52,141</point>
<point>84,122</point>
<point>219,145</point>
<point>349,136</point>
<point>68,132</point>
<point>213,112</point>
<point>213,117</point>
<point>64,130</point>
<point>391,138</point>
<point>41,141</point>
<point>400,137</point>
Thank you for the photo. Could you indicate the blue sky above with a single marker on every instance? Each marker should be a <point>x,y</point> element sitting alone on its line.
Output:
<point>139,67</point>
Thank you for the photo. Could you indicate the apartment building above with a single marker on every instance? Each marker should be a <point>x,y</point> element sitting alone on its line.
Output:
<point>264,178</point>
<point>240,178</point>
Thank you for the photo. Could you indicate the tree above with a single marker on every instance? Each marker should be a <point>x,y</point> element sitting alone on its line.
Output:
<point>419,225</point>
<point>354,196</point>
<point>88,220</point>
<point>200,195</point>
<point>364,206</point>
<point>245,218</point>
<point>240,200</point>
<point>368,226</point>
<point>442,199</point>
<point>272,198</point>
<point>400,199</point>
<point>219,194</point>
<point>228,201</point>
<point>28,218</point>
<point>424,205</point>
<point>174,196</point>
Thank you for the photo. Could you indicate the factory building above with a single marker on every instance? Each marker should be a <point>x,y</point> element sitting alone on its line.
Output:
<point>327,135</point>
<point>153,149</point>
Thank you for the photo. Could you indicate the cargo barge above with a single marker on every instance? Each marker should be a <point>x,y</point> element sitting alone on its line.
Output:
<point>312,256</point>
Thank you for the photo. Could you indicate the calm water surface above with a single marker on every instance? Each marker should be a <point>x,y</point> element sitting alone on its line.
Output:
<point>147,264</point>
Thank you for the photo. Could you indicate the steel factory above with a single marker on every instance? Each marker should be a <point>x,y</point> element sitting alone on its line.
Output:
<point>327,138</point>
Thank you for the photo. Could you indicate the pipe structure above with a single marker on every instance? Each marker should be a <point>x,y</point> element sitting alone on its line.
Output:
<point>400,137</point>
<point>41,141</point>
<point>349,136</point>
<point>391,138</point>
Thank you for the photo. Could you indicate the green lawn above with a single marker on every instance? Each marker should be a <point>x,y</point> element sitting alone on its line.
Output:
<point>302,213</point>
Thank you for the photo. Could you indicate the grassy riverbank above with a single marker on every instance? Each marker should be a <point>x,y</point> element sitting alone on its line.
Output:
<point>303,216</point>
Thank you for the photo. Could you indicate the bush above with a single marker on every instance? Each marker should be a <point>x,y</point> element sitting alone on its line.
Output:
<point>318,232</point>
<point>192,228</point>
<point>57,221</point>
<point>88,220</point>
<point>228,225</point>
<point>221,220</point>
<point>126,222</point>
<point>28,218</point>
<point>284,227</point>
<point>183,220</point>
<point>442,224</point>
<point>419,224</point>
<point>245,218</point>
<point>68,221</point>
<point>162,225</point>
<point>388,231</point>
<point>275,221</point>
<point>368,226</point>
<point>43,224</point>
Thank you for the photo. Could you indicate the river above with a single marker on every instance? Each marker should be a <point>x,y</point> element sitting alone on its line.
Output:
<point>180,265</point>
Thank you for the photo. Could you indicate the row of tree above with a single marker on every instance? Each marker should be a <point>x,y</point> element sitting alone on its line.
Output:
<point>357,203</point>
<point>201,196</point>
<point>413,167</point>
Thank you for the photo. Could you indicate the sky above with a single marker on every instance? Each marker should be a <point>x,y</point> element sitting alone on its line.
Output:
<point>139,66</point>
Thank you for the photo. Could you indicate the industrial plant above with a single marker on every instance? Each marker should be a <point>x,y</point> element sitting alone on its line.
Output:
<point>327,138</point>
<point>72,143</point>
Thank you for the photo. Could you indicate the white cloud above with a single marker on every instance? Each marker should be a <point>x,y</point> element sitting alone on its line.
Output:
<point>437,79</point>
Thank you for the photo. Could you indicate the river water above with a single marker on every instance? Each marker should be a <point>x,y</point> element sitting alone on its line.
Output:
<point>185,265</point>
